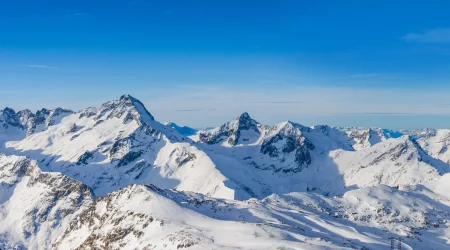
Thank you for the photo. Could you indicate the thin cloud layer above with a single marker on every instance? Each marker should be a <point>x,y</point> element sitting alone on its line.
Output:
<point>40,66</point>
<point>280,102</point>
<point>430,36</point>
<point>76,14</point>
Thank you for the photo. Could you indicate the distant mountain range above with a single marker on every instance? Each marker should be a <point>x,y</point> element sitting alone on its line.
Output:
<point>114,177</point>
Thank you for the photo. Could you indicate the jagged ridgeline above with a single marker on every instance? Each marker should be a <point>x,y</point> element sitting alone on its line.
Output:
<point>113,177</point>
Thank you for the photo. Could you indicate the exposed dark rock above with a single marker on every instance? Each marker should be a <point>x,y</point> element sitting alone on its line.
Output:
<point>74,128</point>
<point>89,112</point>
<point>129,157</point>
<point>84,158</point>
<point>98,122</point>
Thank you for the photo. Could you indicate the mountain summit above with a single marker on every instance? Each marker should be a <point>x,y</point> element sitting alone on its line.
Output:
<point>132,107</point>
<point>242,130</point>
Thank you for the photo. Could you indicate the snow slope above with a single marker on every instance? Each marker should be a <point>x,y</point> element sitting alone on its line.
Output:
<point>60,213</point>
<point>394,162</point>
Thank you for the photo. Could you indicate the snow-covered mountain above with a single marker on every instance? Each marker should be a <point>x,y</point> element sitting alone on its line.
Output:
<point>100,179</point>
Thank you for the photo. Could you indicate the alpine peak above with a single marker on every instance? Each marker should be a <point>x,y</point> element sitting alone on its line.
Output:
<point>132,107</point>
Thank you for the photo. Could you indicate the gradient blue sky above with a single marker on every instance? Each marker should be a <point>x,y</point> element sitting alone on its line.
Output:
<point>200,63</point>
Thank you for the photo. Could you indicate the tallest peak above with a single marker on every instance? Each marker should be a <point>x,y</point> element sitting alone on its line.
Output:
<point>132,108</point>
<point>128,97</point>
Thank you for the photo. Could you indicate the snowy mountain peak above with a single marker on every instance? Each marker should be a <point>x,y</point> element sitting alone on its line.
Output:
<point>56,115</point>
<point>9,118</point>
<point>242,130</point>
<point>127,108</point>
<point>245,122</point>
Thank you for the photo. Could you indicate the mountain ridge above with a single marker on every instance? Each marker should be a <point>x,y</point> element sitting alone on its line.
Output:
<point>316,187</point>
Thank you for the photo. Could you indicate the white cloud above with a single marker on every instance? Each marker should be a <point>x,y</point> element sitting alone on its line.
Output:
<point>76,14</point>
<point>430,36</point>
<point>40,66</point>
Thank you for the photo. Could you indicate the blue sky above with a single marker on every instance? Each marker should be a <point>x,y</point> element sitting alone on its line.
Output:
<point>200,63</point>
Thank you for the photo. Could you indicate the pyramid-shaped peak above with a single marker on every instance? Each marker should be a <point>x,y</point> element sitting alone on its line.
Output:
<point>245,122</point>
<point>132,107</point>
<point>129,100</point>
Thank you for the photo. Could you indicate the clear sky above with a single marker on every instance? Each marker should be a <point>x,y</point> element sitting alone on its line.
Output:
<point>201,63</point>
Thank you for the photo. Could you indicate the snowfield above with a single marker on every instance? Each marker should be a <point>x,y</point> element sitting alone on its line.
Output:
<point>115,178</point>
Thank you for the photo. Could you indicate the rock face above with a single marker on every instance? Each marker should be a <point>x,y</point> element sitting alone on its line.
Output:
<point>99,179</point>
